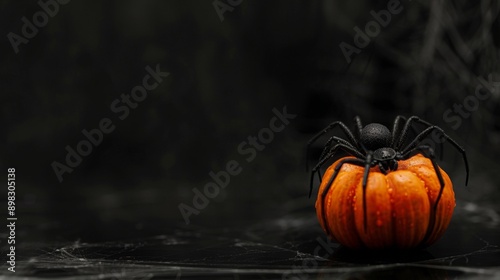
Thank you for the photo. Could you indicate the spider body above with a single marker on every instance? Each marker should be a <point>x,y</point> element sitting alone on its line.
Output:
<point>377,138</point>
<point>374,145</point>
<point>385,155</point>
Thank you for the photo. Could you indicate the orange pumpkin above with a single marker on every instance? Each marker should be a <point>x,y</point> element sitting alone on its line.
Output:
<point>399,206</point>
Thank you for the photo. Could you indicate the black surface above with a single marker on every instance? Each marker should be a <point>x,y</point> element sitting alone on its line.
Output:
<point>291,247</point>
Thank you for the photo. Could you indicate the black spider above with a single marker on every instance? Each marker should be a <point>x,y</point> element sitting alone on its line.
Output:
<point>375,145</point>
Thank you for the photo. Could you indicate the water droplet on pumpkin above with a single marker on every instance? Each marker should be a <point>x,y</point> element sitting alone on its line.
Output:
<point>390,190</point>
<point>379,222</point>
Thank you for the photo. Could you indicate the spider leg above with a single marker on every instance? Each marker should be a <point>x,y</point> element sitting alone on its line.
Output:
<point>404,132</point>
<point>355,161</point>
<point>328,147</point>
<point>426,132</point>
<point>394,165</point>
<point>359,126</point>
<point>347,148</point>
<point>344,128</point>
<point>441,143</point>
<point>396,128</point>
<point>325,157</point>
<point>382,168</point>
<point>367,165</point>
<point>428,152</point>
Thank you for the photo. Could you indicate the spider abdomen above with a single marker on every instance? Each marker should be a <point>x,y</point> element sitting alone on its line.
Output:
<point>375,136</point>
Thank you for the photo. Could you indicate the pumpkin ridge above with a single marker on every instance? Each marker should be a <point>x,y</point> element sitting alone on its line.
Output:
<point>337,218</point>
<point>437,224</point>
<point>441,210</point>
<point>354,186</point>
<point>432,215</point>
<point>379,215</point>
<point>390,186</point>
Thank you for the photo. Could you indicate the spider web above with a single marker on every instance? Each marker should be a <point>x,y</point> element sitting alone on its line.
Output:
<point>292,247</point>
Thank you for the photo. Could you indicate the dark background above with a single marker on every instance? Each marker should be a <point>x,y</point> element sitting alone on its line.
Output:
<point>225,79</point>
